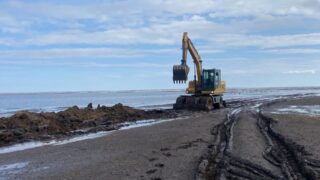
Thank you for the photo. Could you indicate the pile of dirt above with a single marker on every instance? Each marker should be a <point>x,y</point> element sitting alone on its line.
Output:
<point>25,126</point>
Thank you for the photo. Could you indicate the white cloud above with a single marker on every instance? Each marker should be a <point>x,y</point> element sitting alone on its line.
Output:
<point>309,71</point>
<point>308,8</point>
<point>55,53</point>
<point>9,24</point>
<point>293,51</point>
<point>217,8</point>
<point>85,52</point>
<point>236,40</point>
<point>86,64</point>
<point>169,34</point>
<point>262,65</point>
<point>161,22</point>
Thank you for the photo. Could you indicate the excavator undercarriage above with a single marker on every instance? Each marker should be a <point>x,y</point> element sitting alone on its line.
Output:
<point>199,102</point>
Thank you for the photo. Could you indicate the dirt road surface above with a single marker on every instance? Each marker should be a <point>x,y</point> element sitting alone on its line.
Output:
<point>266,138</point>
<point>274,138</point>
<point>169,150</point>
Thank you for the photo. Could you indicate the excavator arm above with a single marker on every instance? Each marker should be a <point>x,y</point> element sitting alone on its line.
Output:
<point>180,72</point>
<point>188,45</point>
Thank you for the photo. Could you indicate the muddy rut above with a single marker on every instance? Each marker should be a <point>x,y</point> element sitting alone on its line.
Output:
<point>246,146</point>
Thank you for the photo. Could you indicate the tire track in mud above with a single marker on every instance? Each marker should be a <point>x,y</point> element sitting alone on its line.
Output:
<point>289,157</point>
<point>284,153</point>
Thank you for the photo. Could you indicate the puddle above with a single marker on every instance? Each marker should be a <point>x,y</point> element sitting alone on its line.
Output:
<point>145,123</point>
<point>308,110</point>
<point>10,169</point>
<point>235,111</point>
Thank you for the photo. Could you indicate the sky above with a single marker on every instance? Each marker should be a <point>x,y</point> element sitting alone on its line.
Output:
<point>79,45</point>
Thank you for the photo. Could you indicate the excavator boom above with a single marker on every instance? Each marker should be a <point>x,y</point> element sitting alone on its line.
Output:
<point>180,72</point>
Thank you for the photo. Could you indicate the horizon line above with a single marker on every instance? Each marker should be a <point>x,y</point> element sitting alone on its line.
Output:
<point>169,89</point>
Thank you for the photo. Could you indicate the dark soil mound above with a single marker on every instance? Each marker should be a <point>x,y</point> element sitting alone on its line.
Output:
<point>24,126</point>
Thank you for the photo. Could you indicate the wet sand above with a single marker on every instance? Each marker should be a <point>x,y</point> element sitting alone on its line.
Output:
<point>250,139</point>
<point>258,140</point>
<point>169,150</point>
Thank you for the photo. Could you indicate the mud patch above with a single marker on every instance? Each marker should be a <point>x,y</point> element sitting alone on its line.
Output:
<point>190,144</point>
<point>151,171</point>
<point>153,159</point>
<point>159,165</point>
<point>290,159</point>
<point>167,154</point>
<point>29,126</point>
<point>164,149</point>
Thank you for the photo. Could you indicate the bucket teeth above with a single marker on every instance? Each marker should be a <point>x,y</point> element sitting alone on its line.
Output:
<point>179,81</point>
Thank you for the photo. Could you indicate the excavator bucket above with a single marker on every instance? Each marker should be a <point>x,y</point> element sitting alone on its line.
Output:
<point>180,73</point>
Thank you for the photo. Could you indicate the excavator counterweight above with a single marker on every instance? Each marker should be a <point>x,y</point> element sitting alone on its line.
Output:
<point>206,89</point>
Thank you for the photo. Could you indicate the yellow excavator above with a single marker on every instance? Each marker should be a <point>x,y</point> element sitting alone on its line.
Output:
<point>206,90</point>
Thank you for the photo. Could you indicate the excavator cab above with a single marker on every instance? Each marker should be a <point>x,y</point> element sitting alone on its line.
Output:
<point>180,73</point>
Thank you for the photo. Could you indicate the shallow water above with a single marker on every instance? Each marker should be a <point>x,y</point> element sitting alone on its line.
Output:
<point>145,99</point>
<point>10,169</point>
<point>307,110</point>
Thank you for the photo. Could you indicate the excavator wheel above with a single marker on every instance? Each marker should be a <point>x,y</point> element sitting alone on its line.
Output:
<point>180,103</point>
<point>217,105</point>
<point>207,103</point>
<point>220,104</point>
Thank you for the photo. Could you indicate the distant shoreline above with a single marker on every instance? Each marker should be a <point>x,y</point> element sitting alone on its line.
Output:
<point>148,90</point>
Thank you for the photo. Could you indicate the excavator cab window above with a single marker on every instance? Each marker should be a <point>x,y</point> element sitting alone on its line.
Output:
<point>218,78</point>
<point>210,79</point>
